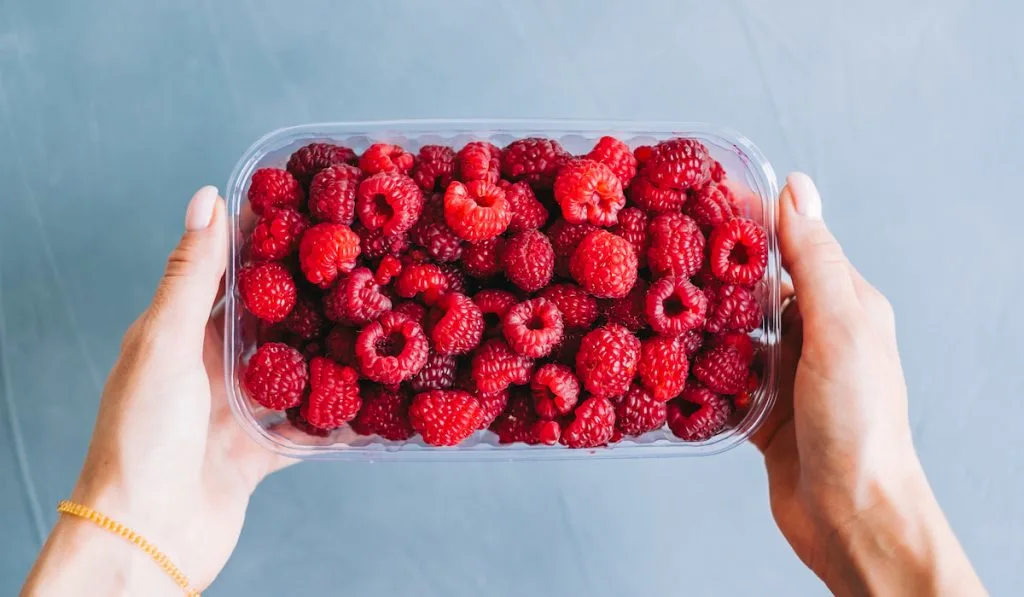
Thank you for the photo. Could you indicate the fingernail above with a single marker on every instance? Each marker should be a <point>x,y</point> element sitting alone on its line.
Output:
<point>200,208</point>
<point>805,195</point>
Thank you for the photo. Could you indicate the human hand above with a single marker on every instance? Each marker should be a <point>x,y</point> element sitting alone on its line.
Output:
<point>167,458</point>
<point>847,489</point>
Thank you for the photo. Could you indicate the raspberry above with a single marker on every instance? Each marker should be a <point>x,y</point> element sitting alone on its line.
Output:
<point>333,394</point>
<point>495,366</point>
<point>637,412</point>
<point>392,349</point>
<point>455,324</point>
<point>710,206</point>
<point>677,246</point>
<point>445,417</point>
<point>308,160</point>
<point>384,413</point>
<point>579,309</point>
<point>479,160</point>
<point>738,252</point>
<point>305,320</point>
<point>332,194</point>
<point>604,264</point>
<point>616,155</point>
<point>483,259</point>
<point>738,340</point>
<point>654,199</point>
<point>692,341</point>
<point>327,250</point>
<point>679,164</point>
<point>589,191</point>
<point>674,306</point>
<point>723,369</point>
<point>274,188</point>
<point>555,391</point>
<point>383,157</point>
<point>277,234</point>
<point>528,260</point>
<point>743,399</point>
<point>356,299</point>
<point>294,416</point>
<point>435,168</point>
<point>565,237</point>
<point>493,304</point>
<point>375,244</point>
<point>629,310</point>
<point>476,211</point>
<point>731,309</point>
<point>390,201</point>
<point>533,328</point>
<point>663,367</point>
<point>456,279</point>
<point>592,424</point>
<point>275,376</point>
<point>717,172</point>
<point>340,345</point>
<point>413,311</point>
<point>267,290</point>
<point>414,256</point>
<point>643,153</point>
<point>389,268</point>
<point>518,423</point>
<point>491,405</point>
<point>423,278</point>
<point>437,374</point>
<point>632,226</point>
<point>698,414</point>
<point>433,233</point>
<point>565,353</point>
<point>527,212</point>
<point>607,360</point>
<point>534,160</point>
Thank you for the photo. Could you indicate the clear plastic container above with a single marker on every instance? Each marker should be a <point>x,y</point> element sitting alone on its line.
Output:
<point>747,170</point>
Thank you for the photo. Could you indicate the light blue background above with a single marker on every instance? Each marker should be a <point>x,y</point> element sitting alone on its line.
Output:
<point>908,113</point>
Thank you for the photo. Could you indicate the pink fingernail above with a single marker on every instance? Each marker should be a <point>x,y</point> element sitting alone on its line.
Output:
<point>200,208</point>
<point>805,195</point>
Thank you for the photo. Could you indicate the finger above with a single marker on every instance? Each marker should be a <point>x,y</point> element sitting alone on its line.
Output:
<point>792,344</point>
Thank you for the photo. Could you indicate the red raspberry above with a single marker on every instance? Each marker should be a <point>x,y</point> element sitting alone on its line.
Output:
<point>455,324</point>
<point>375,244</point>
<point>677,246</point>
<point>445,417</point>
<point>275,376</point>
<point>389,268</point>
<point>413,311</point>
<point>739,252</point>
<point>356,299</point>
<point>589,191</point>
<point>433,233</point>
<point>274,188</point>
<point>710,206</point>
<point>534,160</point>
<point>384,413</point>
<point>616,155</point>
<point>738,340</point>
<point>383,157</point>
<point>607,360</point>
<point>731,309</point>
<point>643,153</point>
<point>518,423</point>
<point>592,425</point>
<point>528,260</point>
<point>333,394</point>
<point>340,345</point>
<point>745,397</point>
<point>414,256</point>
<point>267,290</point>
<point>555,391</point>
<point>437,374</point>
<point>389,201</point>
<point>277,234</point>
<point>308,160</point>
<point>456,278</point>
<point>579,309</point>
<point>479,160</point>
<point>305,321</point>
<point>332,194</point>
<point>493,304</point>
<point>654,199</point>
<point>495,366</point>
<point>392,349</point>
<point>637,412</point>
<point>632,226</point>
<point>533,328</point>
<point>425,278</point>
<point>698,415</point>
<point>327,250</point>
<point>679,164</point>
<point>294,416</point>
<point>605,265</point>
<point>527,212</point>
<point>723,369</point>
<point>629,310</point>
<point>476,211</point>
<point>483,259</point>
<point>566,352</point>
<point>717,172</point>
<point>435,168</point>
<point>491,405</point>
<point>692,341</point>
<point>674,306</point>
<point>663,367</point>
<point>565,237</point>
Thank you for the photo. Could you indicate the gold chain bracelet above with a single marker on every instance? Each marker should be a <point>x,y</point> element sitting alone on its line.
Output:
<point>68,507</point>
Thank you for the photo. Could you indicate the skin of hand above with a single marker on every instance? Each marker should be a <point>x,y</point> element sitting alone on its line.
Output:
<point>847,489</point>
<point>167,458</point>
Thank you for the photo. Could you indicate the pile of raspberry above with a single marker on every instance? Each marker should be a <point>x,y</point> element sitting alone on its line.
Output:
<point>547,297</point>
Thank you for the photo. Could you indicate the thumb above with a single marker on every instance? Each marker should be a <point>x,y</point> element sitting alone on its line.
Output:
<point>813,257</point>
